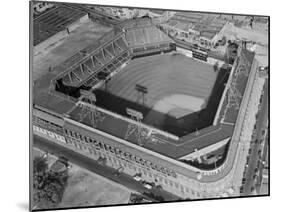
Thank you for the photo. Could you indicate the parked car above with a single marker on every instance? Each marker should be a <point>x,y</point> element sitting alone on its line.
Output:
<point>241,189</point>
<point>148,186</point>
<point>137,178</point>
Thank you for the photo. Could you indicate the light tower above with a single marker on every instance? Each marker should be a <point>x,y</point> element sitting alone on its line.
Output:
<point>88,108</point>
<point>135,126</point>
<point>142,91</point>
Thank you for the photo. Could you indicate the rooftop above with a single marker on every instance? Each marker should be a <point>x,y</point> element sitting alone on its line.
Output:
<point>207,24</point>
<point>54,21</point>
<point>159,12</point>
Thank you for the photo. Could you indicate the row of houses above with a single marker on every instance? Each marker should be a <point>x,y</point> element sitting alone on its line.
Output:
<point>40,7</point>
<point>200,28</point>
<point>129,13</point>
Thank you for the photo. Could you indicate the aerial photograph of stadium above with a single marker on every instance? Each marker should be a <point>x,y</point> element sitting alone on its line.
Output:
<point>139,105</point>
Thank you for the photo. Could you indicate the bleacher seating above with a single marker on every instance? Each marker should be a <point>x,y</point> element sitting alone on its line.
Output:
<point>140,36</point>
<point>105,59</point>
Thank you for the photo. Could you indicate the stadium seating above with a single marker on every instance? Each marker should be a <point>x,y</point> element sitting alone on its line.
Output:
<point>140,36</point>
<point>105,59</point>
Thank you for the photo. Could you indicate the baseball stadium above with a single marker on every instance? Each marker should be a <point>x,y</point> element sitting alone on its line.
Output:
<point>134,101</point>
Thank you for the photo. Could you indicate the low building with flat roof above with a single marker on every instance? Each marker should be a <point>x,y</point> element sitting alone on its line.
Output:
<point>54,25</point>
<point>205,29</point>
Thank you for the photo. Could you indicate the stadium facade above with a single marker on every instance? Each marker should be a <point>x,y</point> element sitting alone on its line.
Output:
<point>65,113</point>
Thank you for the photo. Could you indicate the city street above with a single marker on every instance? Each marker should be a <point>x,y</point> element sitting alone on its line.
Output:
<point>260,177</point>
<point>92,165</point>
<point>253,170</point>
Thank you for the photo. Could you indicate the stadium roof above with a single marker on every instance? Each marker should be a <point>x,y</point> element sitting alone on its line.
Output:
<point>46,98</point>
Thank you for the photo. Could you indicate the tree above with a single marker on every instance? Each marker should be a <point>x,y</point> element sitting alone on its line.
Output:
<point>39,164</point>
<point>48,186</point>
<point>216,66</point>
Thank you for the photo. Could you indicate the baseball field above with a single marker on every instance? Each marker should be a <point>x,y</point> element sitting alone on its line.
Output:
<point>177,87</point>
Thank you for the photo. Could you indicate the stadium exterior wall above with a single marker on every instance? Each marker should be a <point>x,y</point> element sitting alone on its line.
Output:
<point>174,176</point>
<point>75,136</point>
<point>177,183</point>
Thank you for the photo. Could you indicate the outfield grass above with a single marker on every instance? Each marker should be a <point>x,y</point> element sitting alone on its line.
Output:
<point>164,75</point>
<point>167,76</point>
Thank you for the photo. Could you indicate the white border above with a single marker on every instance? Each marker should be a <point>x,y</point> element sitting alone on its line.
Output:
<point>14,104</point>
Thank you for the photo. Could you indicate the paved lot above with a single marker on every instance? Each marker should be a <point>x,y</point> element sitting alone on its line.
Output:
<point>85,188</point>
<point>88,189</point>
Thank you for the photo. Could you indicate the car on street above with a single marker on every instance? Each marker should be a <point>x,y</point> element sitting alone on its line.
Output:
<point>137,178</point>
<point>241,189</point>
<point>116,174</point>
<point>148,186</point>
<point>250,151</point>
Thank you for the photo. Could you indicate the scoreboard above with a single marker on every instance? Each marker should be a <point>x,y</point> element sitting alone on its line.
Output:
<point>201,55</point>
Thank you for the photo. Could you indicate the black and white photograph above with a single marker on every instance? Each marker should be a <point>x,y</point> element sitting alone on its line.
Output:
<point>134,105</point>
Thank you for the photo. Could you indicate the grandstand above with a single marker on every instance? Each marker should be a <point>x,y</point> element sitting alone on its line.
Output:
<point>144,37</point>
<point>100,60</point>
<point>105,60</point>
